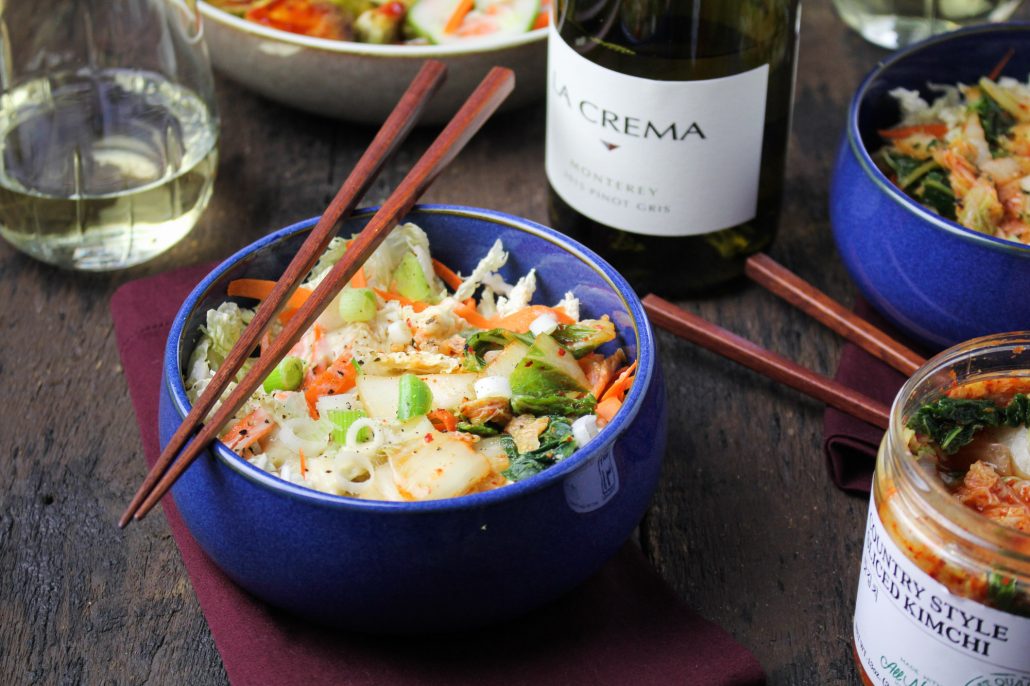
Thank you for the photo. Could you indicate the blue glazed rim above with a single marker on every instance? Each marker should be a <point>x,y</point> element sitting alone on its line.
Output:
<point>603,442</point>
<point>865,160</point>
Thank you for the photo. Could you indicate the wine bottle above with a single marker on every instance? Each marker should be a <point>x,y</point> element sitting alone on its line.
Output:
<point>667,126</point>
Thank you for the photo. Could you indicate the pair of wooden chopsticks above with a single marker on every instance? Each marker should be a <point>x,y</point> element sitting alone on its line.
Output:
<point>806,297</point>
<point>493,89</point>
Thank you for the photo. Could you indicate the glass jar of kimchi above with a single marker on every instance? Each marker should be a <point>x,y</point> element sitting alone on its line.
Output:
<point>944,588</point>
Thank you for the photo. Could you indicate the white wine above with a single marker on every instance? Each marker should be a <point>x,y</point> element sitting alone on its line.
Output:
<point>667,132</point>
<point>103,170</point>
<point>897,23</point>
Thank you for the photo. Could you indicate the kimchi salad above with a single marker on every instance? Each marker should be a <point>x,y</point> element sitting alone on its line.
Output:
<point>416,383</point>
<point>414,22</point>
<point>976,438</point>
<point>966,156</point>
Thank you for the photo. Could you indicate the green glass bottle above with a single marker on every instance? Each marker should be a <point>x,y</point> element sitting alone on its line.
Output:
<point>667,128</point>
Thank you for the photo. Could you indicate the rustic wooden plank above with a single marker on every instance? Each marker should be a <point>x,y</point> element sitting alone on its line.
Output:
<point>745,526</point>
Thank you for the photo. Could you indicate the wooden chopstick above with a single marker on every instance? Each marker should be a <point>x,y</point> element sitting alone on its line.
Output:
<point>392,133</point>
<point>494,88</point>
<point>740,350</point>
<point>769,273</point>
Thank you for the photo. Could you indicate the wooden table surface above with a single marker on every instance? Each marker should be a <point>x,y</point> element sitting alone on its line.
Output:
<point>746,525</point>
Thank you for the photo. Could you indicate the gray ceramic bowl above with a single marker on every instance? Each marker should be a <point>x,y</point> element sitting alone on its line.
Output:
<point>362,82</point>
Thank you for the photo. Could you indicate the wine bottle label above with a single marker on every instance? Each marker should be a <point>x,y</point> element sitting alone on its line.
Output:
<point>663,158</point>
<point>910,629</point>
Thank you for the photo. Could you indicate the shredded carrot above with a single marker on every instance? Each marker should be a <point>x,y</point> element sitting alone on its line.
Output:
<point>259,289</point>
<point>359,280</point>
<point>303,464</point>
<point>935,130</point>
<point>443,420</point>
<point>463,8</point>
<point>519,321</point>
<point>390,295</point>
<point>606,409</point>
<point>542,20</point>
<point>248,430</point>
<point>445,273</point>
<point>339,377</point>
<point>469,314</point>
<point>621,384</point>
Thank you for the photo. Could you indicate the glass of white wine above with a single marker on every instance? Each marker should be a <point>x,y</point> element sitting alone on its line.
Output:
<point>896,23</point>
<point>108,128</point>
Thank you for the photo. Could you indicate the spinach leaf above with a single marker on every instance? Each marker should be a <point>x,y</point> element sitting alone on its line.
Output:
<point>903,165</point>
<point>995,121</point>
<point>1017,412</point>
<point>935,192</point>
<point>554,404</point>
<point>907,170</point>
<point>952,423</point>
<point>556,444</point>
<point>485,429</point>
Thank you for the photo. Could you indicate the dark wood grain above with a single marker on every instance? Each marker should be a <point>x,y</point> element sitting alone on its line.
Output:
<point>710,336</point>
<point>770,274</point>
<point>745,525</point>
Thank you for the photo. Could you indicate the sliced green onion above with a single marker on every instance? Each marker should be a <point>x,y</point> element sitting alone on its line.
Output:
<point>357,304</point>
<point>342,419</point>
<point>286,376</point>
<point>415,397</point>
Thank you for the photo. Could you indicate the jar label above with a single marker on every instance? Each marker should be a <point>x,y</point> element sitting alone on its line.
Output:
<point>663,158</point>
<point>910,629</point>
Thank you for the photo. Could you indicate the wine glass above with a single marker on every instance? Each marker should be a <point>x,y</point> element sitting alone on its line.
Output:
<point>896,23</point>
<point>108,128</point>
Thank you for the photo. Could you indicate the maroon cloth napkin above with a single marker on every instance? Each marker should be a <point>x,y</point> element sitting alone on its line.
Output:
<point>849,443</point>
<point>624,625</point>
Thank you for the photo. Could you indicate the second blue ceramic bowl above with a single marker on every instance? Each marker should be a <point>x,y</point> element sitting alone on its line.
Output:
<point>935,279</point>
<point>447,564</point>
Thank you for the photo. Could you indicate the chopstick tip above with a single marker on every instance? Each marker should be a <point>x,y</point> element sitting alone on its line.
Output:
<point>126,517</point>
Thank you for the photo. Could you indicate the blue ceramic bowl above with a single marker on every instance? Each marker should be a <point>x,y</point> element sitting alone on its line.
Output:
<point>428,566</point>
<point>935,279</point>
